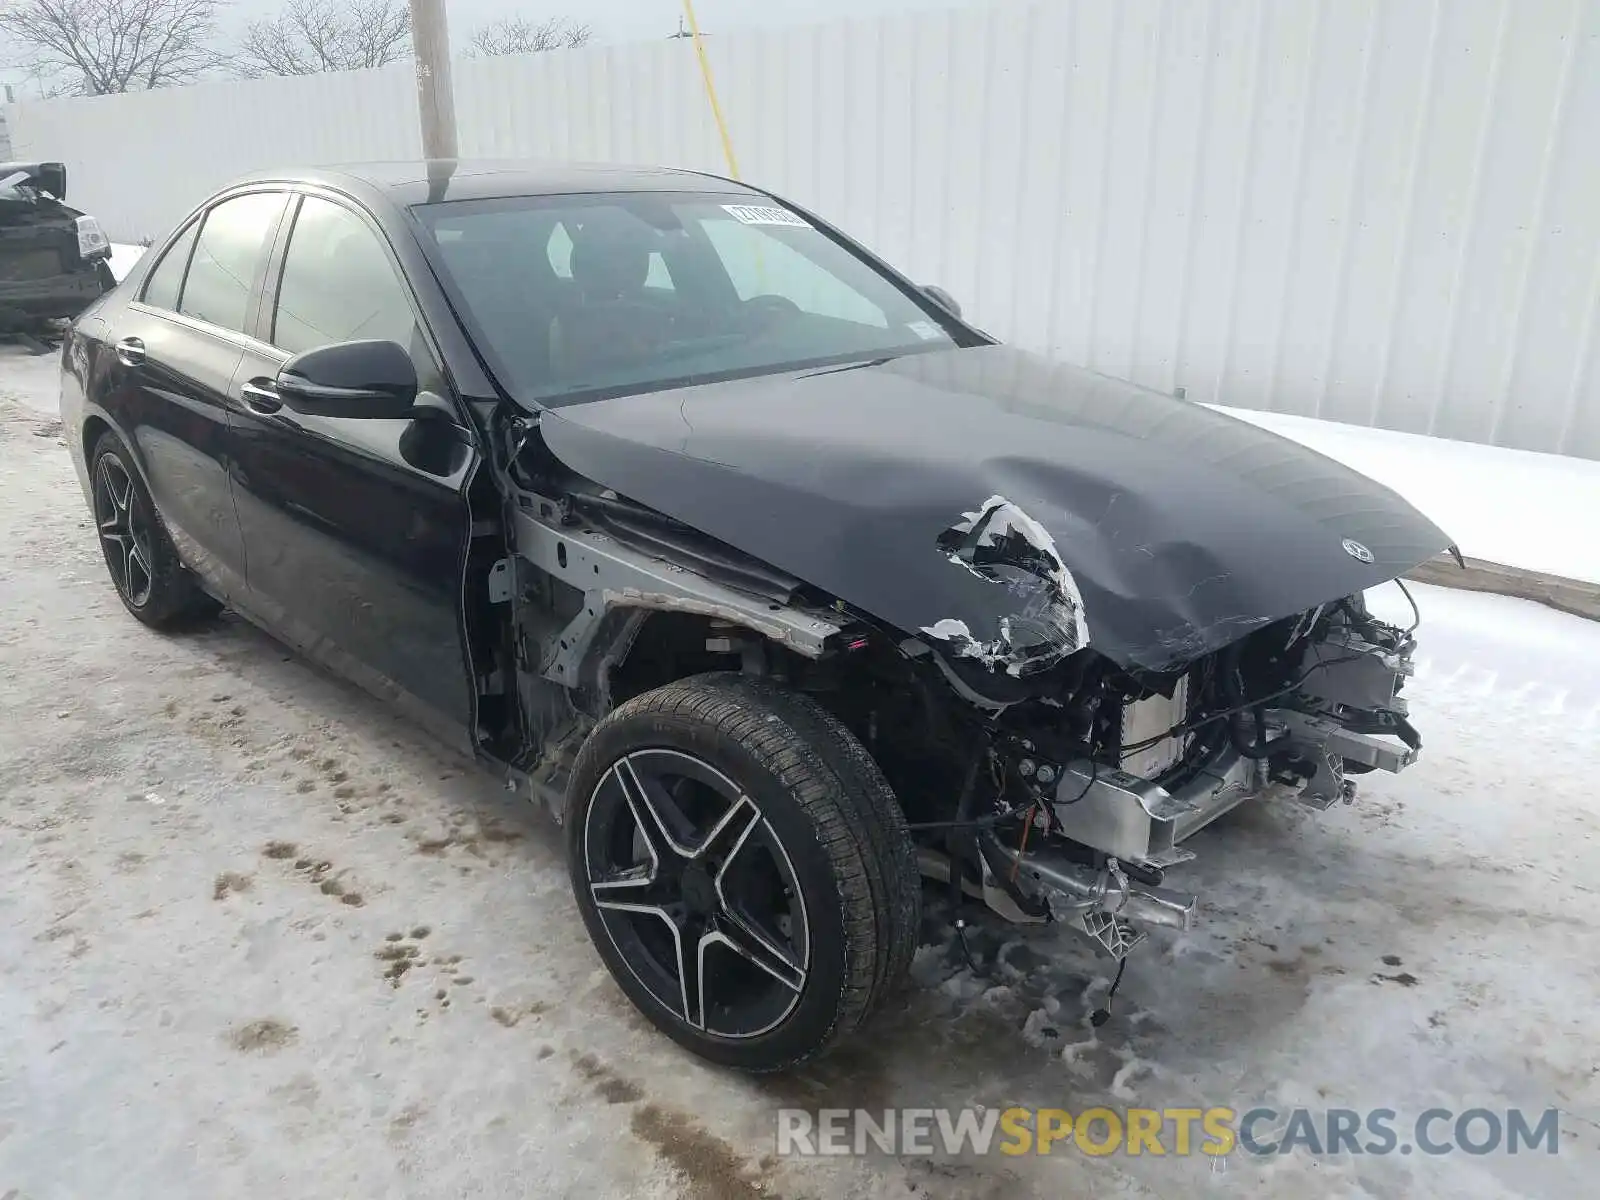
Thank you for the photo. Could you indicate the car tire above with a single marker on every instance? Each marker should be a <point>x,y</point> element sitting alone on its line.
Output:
<point>143,564</point>
<point>743,869</point>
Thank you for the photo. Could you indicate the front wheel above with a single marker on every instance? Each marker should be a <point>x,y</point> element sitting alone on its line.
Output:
<point>743,869</point>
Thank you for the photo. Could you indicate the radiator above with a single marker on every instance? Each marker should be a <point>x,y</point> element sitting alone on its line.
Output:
<point>1145,719</point>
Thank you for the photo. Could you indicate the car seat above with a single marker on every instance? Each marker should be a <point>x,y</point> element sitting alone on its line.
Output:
<point>607,322</point>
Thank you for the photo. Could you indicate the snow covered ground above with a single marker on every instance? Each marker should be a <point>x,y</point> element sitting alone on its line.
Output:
<point>212,853</point>
<point>1514,507</point>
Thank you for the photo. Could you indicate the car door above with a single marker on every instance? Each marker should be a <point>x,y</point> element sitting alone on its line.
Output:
<point>355,530</point>
<point>176,346</point>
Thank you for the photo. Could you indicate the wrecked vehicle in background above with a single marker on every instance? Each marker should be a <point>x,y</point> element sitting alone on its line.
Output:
<point>54,260</point>
<point>780,584</point>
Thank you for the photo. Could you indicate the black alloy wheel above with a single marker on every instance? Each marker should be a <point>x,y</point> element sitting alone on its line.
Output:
<point>144,567</point>
<point>742,867</point>
<point>124,531</point>
<point>697,893</point>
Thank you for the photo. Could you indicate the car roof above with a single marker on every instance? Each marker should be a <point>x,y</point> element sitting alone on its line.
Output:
<point>425,181</point>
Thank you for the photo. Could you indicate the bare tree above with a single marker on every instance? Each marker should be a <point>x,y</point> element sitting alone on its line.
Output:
<point>312,36</point>
<point>519,35</point>
<point>98,47</point>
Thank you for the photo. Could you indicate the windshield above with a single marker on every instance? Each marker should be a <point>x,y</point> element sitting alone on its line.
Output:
<point>573,297</point>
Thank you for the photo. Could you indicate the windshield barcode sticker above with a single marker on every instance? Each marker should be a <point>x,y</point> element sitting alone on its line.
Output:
<point>762,214</point>
<point>926,330</point>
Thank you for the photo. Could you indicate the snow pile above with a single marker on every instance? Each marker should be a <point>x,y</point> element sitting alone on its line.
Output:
<point>123,257</point>
<point>1512,507</point>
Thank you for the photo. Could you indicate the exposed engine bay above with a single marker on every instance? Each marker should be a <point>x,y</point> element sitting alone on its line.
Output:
<point>1093,780</point>
<point>1036,774</point>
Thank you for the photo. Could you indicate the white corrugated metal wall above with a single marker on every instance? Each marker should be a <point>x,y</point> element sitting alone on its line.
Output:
<point>1376,211</point>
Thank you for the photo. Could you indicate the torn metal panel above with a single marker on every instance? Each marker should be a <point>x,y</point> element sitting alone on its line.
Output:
<point>614,576</point>
<point>1002,544</point>
<point>1180,528</point>
<point>997,654</point>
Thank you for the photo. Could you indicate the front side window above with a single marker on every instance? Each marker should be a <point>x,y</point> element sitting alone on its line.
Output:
<point>338,284</point>
<point>571,297</point>
<point>228,254</point>
<point>162,288</point>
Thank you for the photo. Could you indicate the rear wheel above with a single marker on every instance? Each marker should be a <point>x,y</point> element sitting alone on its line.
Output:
<point>743,869</point>
<point>150,581</point>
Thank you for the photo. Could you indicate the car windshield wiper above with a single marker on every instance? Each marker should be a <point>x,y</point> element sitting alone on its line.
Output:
<point>871,362</point>
<point>572,390</point>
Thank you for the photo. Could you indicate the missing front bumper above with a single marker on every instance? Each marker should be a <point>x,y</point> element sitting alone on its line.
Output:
<point>1138,823</point>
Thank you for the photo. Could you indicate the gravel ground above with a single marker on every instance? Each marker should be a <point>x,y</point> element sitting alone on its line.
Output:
<point>259,938</point>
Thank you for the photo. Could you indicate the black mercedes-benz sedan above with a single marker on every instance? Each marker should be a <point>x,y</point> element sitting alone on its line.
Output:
<point>780,584</point>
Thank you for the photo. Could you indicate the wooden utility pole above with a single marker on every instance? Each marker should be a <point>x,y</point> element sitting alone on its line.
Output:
<point>436,101</point>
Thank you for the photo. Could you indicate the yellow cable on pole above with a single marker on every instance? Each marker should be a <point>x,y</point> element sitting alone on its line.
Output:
<point>711,88</point>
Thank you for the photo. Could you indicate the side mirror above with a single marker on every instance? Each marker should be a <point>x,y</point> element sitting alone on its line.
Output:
<point>942,298</point>
<point>372,380</point>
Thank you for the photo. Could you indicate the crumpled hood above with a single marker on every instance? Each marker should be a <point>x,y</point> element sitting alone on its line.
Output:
<point>1007,506</point>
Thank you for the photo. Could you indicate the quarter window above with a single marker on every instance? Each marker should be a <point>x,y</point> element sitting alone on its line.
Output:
<point>166,281</point>
<point>226,258</point>
<point>338,284</point>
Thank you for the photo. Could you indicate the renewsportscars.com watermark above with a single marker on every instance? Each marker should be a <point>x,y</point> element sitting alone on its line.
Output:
<point>1215,1132</point>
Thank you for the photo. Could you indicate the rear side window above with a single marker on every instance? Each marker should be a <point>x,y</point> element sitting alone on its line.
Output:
<point>166,281</point>
<point>226,258</point>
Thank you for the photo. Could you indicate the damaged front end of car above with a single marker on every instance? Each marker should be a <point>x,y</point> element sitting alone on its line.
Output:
<point>1093,774</point>
<point>1037,775</point>
<point>1072,621</point>
<point>1100,774</point>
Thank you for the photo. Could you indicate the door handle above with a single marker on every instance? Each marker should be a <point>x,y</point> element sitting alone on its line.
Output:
<point>130,351</point>
<point>260,397</point>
